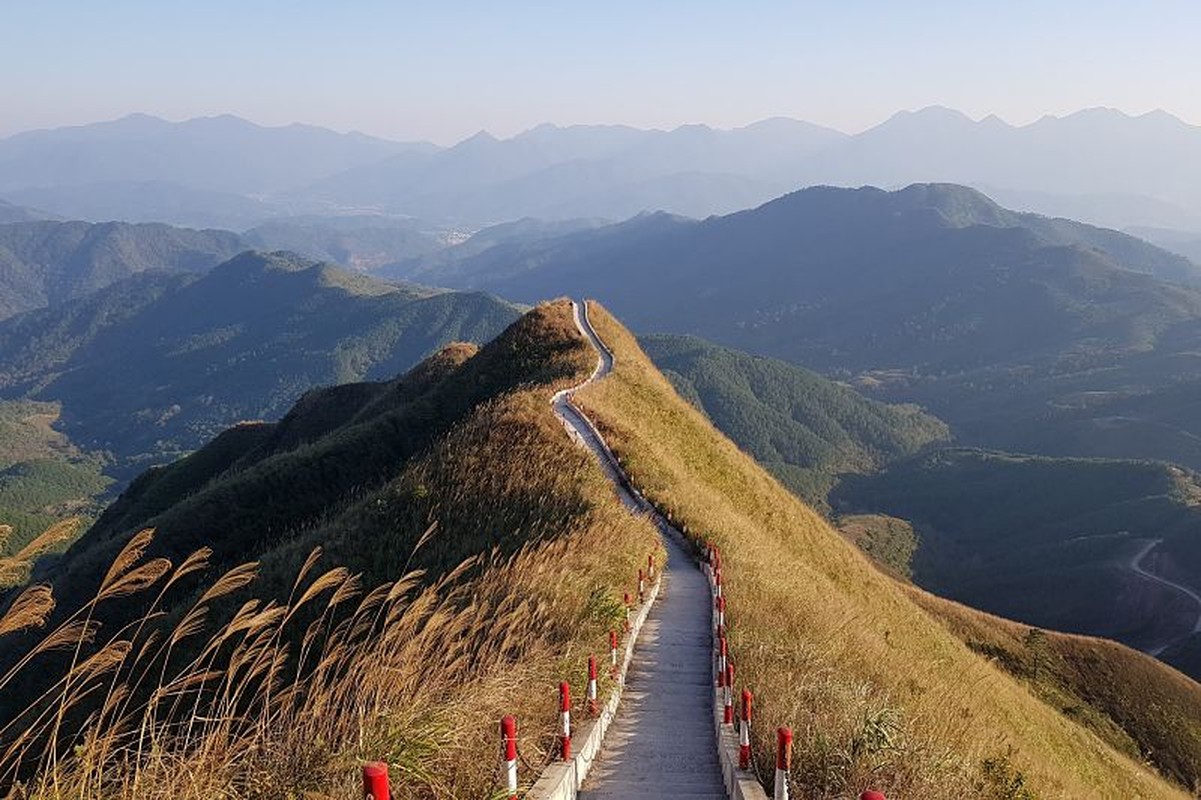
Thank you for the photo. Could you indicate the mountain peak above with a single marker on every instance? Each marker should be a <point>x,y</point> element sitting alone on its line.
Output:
<point>481,137</point>
<point>934,113</point>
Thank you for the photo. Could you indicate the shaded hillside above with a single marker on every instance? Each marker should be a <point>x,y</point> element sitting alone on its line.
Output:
<point>875,690</point>
<point>930,277</point>
<point>802,427</point>
<point>1022,333</point>
<point>1046,541</point>
<point>48,263</point>
<point>527,562</point>
<point>153,367</point>
<point>260,481</point>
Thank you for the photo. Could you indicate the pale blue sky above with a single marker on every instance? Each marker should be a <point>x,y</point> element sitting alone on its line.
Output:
<point>443,70</point>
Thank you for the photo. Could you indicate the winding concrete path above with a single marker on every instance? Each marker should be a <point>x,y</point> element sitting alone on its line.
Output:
<point>1136,564</point>
<point>661,745</point>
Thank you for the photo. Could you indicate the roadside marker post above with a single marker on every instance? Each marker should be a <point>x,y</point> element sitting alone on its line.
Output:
<point>783,762</point>
<point>627,606</point>
<point>565,721</point>
<point>593,706</point>
<point>375,781</point>
<point>727,716</point>
<point>744,732</point>
<point>872,795</point>
<point>508,743</point>
<point>722,652</point>
<point>641,586</point>
<point>613,652</point>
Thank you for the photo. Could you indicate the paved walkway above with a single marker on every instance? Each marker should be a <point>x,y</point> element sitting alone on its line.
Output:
<point>661,745</point>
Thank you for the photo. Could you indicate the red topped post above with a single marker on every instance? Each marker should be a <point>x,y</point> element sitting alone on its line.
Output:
<point>727,716</point>
<point>872,795</point>
<point>783,762</point>
<point>593,706</point>
<point>565,721</point>
<point>375,781</point>
<point>744,733</point>
<point>508,743</point>
<point>613,652</point>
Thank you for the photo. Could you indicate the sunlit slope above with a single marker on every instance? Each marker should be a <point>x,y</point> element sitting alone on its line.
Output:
<point>1134,702</point>
<point>519,580</point>
<point>876,690</point>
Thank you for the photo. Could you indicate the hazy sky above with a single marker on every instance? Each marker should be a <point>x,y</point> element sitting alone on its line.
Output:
<point>442,69</point>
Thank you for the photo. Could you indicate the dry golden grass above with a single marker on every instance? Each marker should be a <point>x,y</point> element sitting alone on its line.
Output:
<point>247,697</point>
<point>1138,704</point>
<point>14,569</point>
<point>878,693</point>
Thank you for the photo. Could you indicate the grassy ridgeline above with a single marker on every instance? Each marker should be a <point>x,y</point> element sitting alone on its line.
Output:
<point>876,690</point>
<point>521,580</point>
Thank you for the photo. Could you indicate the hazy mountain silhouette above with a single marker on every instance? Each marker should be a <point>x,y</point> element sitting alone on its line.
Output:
<point>221,154</point>
<point>1099,165</point>
<point>1049,166</point>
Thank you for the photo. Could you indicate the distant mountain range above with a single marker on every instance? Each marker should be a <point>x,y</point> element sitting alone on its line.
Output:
<point>1024,333</point>
<point>1097,165</point>
<point>155,365</point>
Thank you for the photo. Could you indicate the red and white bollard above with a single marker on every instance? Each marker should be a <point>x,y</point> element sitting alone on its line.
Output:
<point>375,781</point>
<point>783,762</point>
<point>872,795</point>
<point>727,716</point>
<point>564,721</point>
<point>744,732</point>
<point>721,612</point>
<point>650,567</point>
<point>613,652</point>
<point>717,582</point>
<point>723,652</point>
<point>627,605</point>
<point>641,586</point>
<point>508,744</point>
<point>593,706</point>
